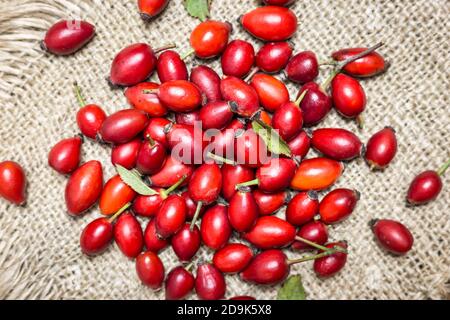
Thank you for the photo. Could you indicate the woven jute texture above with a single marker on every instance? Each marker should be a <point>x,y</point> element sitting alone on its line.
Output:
<point>40,256</point>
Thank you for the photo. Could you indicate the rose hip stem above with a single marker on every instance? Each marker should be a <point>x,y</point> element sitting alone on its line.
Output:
<point>444,168</point>
<point>165,193</point>
<point>196,214</point>
<point>118,213</point>
<point>309,258</point>
<point>187,54</point>
<point>320,247</point>
<point>221,159</point>
<point>166,47</point>
<point>79,96</point>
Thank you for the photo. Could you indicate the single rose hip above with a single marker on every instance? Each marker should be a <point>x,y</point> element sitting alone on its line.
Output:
<point>171,216</point>
<point>348,95</point>
<point>67,36</point>
<point>84,188</point>
<point>270,232</point>
<point>115,195</point>
<point>267,268</point>
<point>123,126</point>
<point>171,172</point>
<point>171,67</point>
<point>270,23</point>
<point>302,208</point>
<point>288,119</point>
<point>215,228</point>
<point>317,174</point>
<point>272,93</point>
<point>209,283</point>
<point>151,157</point>
<point>13,182</point>
<point>392,236</point>
<point>338,205</point>
<point>368,66</point>
<point>314,231</point>
<point>90,117</point>
<point>186,142</point>
<point>232,176</point>
<point>208,81</point>
<point>128,235</point>
<point>303,67</point>
<point>150,270</point>
<point>179,283</point>
<point>300,145</point>
<point>179,95</point>
<point>337,144</point>
<point>147,102</point>
<point>185,243</point>
<point>269,203</point>
<point>242,210</point>
<point>151,8</point>
<point>315,105</point>
<point>126,154</point>
<point>65,156</point>
<point>238,58</point>
<point>152,240</point>
<point>330,265</point>
<point>381,148</point>
<point>148,206</point>
<point>233,258</point>
<point>156,130</point>
<point>216,115</point>
<point>210,38</point>
<point>273,56</point>
<point>244,95</point>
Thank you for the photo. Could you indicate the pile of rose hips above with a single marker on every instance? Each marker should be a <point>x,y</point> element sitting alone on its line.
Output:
<point>244,193</point>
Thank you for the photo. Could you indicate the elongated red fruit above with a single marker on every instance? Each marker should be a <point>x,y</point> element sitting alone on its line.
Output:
<point>84,187</point>
<point>180,95</point>
<point>13,182</point>
<point>171,172</point>
<point>156,130</point>
<point>250,149</point>
<point>210,38</point>
<point>317,174</point>
<point>300,145</point>
<point>348,95</point>
<point>314,231</point>
<point>65,156</point>
<point>368,66</point>
<point>338,205</point>
<point>151,8</point>
<point>233,175</point>
<point>315,105</point>
<point>272,93</point>
<point>171,216</point>
<point>216,115</point>
<point>188,118</point>
<point>148,206</point>
<point>426,186</point>
<point>150,269</point>
<point>123,126</point>
<point>208,81</point>
<point>270,232</point>
<point>215,228</point>
<point>96,236</point>
<point>128,235</point>
<point>303,67</point>
<point>238,58</point>
<point>151,157</point>
<point>132,65</point>
<point>381,148</point>
<point>338,144</point>
<point>115,195</point>
<point>233,258</point>
<point>67,36</point>
<point>171,67</point>
<point>330,265</point>
<point>393,236</point>
<point>244,95</point>
<point>179,283</point>
<point>302,208</point>
<point>90,119</point>
<point>147,102</point>
<point>126,154</point>
<point>269,203</point>
<point>209,283</point>
<point>185,243</point>
<point>273,56</point>
<point>205,183</point>
<point>243,210</point>
<point>288,120</point>
<point>152,240</point>
<point>267,268</point>
<point>270,23</point>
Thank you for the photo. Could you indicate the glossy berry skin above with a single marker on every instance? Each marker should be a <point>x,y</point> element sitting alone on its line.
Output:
<point>328,266</point>
<point>424,188</point>
<point>393,236</point>
<point>315,105</point>
<point>126,154</point>
<point>273,56</point>
<point>210,38</point>
<point>151,157</point>
<point>156,130</point>
<point>67,36</point>
<point>180,95</point>
<point>96,237</point>
<point>244,95</point>
<point>270,232</point>
<point>191,206</point>
<point>288,120</point>
<point>300,145</point>
<point>238,58</point>
<point>171,216</point>
<point>65,156</point>
<point>128,235</point>
<point>151,8</point>
<point>233,175</point>
<point>185,243</point>
<point>276,175</point>
<point>303,67</point>
<point>381,148</point>
<point>123,126</point>
<point>216,115</point>
<point>152,240</point>
<point>270,23</point>
<point>317,174</point>
<point>132,65</point>
<point>188,118</point>
<point>147,206</point>
<point>223,143</point>
<point>12,182</point>
<point>150,270</point>
<point>251,150</point>
<point>170,67</point>
<point>367,66</point>
<point>272,93</point>
<point>302,208</point>
<point>90,119</point>
<point>242,210</point>
<point>348,95</point>
<point>171,172</point>
<point>337,144</point>
<point>205,183</point>
<point>208,81</point>
<point>233,258</point>
<point>315,231</point>
<point>84,188</point>
<point>115,195</point>
<point>147,102</point>
<point>269,203</point>
<point>187,141</point>
<point>215,228</point>
<point>337,205</point>
<point>267,268</point>
<point>209,283</point>
<point>179,283</point>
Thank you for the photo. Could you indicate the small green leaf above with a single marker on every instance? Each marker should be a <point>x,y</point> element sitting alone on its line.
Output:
<point>273,141</point>
<point>292,289</point>
<point>198,8</point>
<point>135,182</point>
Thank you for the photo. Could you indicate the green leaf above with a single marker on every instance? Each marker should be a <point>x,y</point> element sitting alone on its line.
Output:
<point>198,8</point>
<point>135,182</point>
<point>274,142</point>
<point>292,289</point>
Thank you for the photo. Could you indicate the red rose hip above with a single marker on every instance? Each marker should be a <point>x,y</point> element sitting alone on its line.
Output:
<point>329,265</point>
<point>302,208</point>
<point>171,67</point>
<point>303,67</point>
<point>381,148</point>
<point>242,210</point>
<point>150,270</point>
<point>233,258</point>
<point>209,283</point>
<point>368,66</point>
<point>12,182</point>
<point>238,58</point>
<point>392,236</point>
<point>208,81</point>
<point>314,231</point>
<point>65,156</point>
<point>151,8</point>
<point>270,232</point>
<point>123,126</point>
<point>90,117</point>
<point>273,56</point>
<point>337,144</point>
<point>215,228</point>
<point>210,38</point>
<point>185,243</point>
<point>179,283</point>
<point>338,205</point>
<point>147,102</point>
<point>128,235</point>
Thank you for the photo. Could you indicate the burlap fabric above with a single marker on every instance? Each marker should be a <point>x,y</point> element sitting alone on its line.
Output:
<point>39,245</point>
